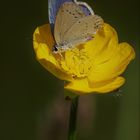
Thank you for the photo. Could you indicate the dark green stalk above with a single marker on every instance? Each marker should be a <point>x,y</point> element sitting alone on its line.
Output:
<point>72,120</point>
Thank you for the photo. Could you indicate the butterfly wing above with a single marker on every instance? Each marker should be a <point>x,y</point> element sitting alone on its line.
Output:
<point>53,6</point>
<point>83,29</point>
<point>67,16</point>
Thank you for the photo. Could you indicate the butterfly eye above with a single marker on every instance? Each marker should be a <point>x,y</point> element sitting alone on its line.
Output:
<point>55,49</point>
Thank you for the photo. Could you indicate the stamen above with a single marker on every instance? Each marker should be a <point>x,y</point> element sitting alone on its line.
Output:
<point>78,63</point>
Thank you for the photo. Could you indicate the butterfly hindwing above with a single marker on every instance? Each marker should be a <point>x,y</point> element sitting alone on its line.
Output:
<point>84,28</point>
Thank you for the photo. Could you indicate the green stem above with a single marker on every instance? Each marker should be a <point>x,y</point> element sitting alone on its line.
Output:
<point>72,119</point>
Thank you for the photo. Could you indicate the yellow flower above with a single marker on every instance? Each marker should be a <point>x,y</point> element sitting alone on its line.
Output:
<point>94,66</point>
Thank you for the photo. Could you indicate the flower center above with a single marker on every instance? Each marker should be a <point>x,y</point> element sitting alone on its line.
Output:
<point>77,62</point>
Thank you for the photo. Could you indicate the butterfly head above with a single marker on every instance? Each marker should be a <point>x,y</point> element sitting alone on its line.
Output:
<point>59,48</point>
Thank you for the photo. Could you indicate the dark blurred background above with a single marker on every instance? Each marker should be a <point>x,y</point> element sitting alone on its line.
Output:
<point>31,99</point>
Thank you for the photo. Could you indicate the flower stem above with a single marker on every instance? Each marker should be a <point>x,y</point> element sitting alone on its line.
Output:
<point>72,119</point>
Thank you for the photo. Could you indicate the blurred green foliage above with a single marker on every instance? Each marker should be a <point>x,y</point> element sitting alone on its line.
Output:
<point>27,89</point>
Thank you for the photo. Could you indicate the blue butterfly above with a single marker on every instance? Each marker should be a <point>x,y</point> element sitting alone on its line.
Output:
<point>72,23</point>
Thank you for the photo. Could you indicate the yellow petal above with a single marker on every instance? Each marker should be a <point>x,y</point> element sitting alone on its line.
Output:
<point>106,40</point>
<point>105,69</point>
<point>83,86</point>
<point>43,35</point>
<point>43,43</point>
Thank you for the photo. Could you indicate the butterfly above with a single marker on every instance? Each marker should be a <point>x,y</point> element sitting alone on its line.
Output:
<point>74,25</point>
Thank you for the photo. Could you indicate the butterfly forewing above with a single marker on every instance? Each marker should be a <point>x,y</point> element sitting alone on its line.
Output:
<point>53,8</point>
<point>68,14</point>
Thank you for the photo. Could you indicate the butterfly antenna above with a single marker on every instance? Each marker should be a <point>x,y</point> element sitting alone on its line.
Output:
<point>86,5</point>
